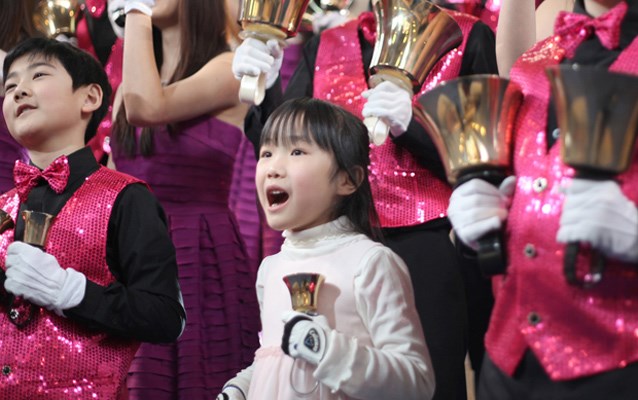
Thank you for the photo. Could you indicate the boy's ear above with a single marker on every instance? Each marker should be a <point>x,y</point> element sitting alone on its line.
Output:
<point>93,97</point>
<point>345,185</point>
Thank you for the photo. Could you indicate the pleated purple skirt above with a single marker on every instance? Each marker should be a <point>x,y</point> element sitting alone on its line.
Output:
<point>191,174</point>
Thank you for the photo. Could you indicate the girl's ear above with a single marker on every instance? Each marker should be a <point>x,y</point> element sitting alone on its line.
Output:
<point>345,185</point>
<point>92,98</point>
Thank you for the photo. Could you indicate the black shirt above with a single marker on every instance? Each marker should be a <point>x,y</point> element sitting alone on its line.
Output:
<point>145,301</point>
<point>479,58</point>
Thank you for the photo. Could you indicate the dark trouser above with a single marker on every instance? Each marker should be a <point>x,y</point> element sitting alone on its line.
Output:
<point>440,300</point>
<point>480,301</point>
<point>530,382</point>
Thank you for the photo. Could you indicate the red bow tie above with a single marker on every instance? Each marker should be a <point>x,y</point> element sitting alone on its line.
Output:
<point>26,176</point>
<point>574,28</point>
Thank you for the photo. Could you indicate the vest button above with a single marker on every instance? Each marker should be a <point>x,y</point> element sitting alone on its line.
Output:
<point>533,318</point>
<point>556,133</point>
<point>6,370</point>
<point>14,314</point>
<point>529,251</point>
<point>539,185</point>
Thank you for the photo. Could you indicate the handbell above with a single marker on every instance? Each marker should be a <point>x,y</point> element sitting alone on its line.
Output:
<point>412,36</point>
<point>598,120</point>
<point>265,20</point>
<point>471,121</point>
<point>55,17</point>
<point>304,291</point>
<point>597,115</point>
<point>36,227</point>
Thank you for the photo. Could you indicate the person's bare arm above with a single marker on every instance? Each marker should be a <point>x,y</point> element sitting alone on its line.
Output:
<point>211,89</point>
<point>516,32</point>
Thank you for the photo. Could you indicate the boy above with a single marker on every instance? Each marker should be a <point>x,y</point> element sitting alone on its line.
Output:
<point>108,276</point>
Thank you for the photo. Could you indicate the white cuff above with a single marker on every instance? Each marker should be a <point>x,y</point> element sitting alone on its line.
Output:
<point>139,6</point>
<point>72,292</point>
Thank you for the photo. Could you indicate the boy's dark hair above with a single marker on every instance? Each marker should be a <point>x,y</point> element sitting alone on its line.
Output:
<point>83,68</point>
<point>337,131</point>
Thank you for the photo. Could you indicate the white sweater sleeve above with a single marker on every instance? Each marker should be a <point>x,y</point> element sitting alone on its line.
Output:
<point>398,364</point>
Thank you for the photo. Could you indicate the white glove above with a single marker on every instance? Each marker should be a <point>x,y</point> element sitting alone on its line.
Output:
<point>143,6</point>
<point>305,336</point>
<point>478,207</point>
<point>37,277</point>
<point>231,392</point>
<point>72,40</point>
<point>328,19</point>
<point>390,103</point>
<point>599,213</point>
<point>254,57</point>
<point>114,9</point>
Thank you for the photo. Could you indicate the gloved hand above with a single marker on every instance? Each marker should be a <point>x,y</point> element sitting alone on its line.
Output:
<point>117,16</point>
<point>72,40</point>
<point>328,19</point>
<point>254,57</point>
<point>478,207</point>
<point>390,103</point>
<point>37,277</point>
<point>599,213</point>
<point>231,392</point>
<point>305,336</point>
<point>143,6</point>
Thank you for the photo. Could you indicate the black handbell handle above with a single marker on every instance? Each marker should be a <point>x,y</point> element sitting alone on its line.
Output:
<point>491,255</point>
<point>596,266</point>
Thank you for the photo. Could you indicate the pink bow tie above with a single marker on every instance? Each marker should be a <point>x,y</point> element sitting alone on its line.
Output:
<point>26,176</point>
<point>574,28</point>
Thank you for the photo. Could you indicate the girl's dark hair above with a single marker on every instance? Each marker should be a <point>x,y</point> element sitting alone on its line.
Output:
<point>16,22</point>
<point>83,68</point>
<point>343,135</point>
<point>203,37</point>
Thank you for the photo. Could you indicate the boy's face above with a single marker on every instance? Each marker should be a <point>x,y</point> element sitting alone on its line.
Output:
<point>40,104</point>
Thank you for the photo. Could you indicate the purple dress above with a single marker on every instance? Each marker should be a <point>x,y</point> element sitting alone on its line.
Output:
<point>10,151</point>
<point>191,174</point>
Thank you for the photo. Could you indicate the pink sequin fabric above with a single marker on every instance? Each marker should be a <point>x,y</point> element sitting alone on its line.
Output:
<point>574,332</point>
<point>405,193</point>
<point>53,357</point>
<point>100,143</point>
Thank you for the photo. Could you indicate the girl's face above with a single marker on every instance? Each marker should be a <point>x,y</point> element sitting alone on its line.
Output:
<point>297,185</point>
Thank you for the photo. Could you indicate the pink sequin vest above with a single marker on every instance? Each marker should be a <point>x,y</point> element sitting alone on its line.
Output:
<point>573,332</point>
<point>55,357</point>
<point>404,192</point>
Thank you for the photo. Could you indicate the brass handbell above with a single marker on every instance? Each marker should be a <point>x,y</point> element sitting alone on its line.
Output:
<point>304,291</point>
<point>598,120</point>
<point>55,17</point>
<point>36,227</point>
<point>471,120</point>
<point>412,35</point>
<point>304,296</point>
<point>265,20</point>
